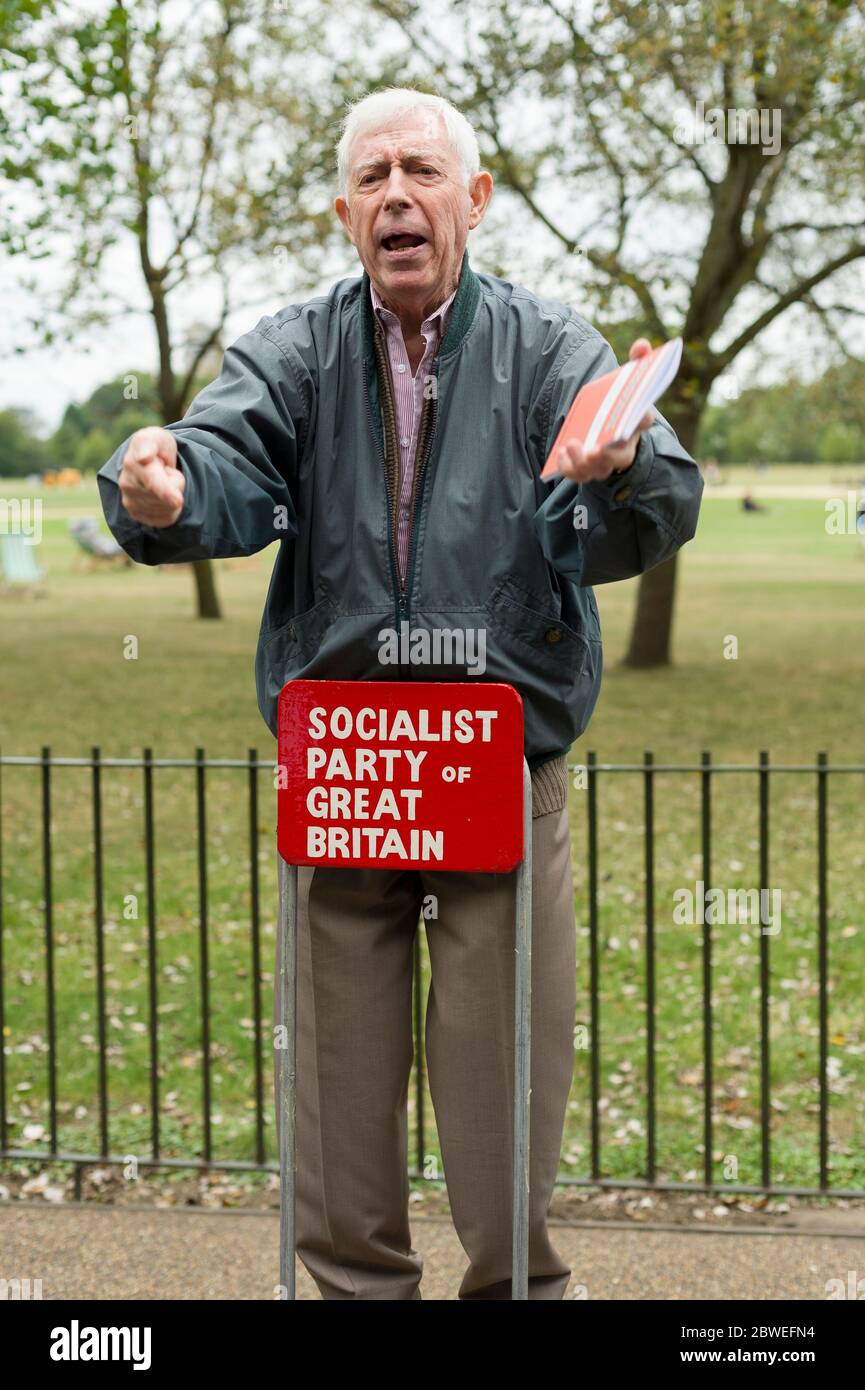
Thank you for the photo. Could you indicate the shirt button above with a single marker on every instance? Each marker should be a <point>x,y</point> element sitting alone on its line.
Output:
<point>553,634</point>
<point>400,366</point>
<point>405,441</point>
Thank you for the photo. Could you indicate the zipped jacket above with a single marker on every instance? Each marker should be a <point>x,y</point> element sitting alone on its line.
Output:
<point>295,442</point>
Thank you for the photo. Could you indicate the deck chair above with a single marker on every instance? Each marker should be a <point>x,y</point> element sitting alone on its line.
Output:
<point>99,549</point>
<point>18,564</point>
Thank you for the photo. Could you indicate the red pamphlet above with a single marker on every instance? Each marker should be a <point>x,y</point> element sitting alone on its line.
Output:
<point>609,409</point>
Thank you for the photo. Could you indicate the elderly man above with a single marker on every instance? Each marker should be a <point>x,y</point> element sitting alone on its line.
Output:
<point>390,435</point>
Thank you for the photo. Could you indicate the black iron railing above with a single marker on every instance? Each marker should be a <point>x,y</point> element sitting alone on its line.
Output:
<point>205,1157</point>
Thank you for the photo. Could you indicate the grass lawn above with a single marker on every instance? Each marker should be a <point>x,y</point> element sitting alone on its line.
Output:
<point>788,593</point>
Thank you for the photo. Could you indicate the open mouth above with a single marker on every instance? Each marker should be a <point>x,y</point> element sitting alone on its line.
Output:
<point>403,244</point>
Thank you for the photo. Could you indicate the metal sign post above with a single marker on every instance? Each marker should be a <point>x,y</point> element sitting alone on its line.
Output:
<point>522,1050</point>
<point>287,1098</point>
<point>420,775</point>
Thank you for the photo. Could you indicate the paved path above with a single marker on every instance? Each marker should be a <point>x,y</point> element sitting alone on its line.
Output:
<point>767,491</point>
<point>82,1251</point>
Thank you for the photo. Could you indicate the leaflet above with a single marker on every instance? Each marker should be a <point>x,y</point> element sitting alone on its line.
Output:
<point>609,409</point>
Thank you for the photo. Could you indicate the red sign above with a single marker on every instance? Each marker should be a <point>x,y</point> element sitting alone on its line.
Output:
<point>393,774</point>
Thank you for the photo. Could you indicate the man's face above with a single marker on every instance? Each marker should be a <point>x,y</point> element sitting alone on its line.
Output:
<point>409,211</point>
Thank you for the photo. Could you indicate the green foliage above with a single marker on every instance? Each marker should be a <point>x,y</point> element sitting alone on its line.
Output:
<point>196,140</point>
<point>654,218</point>
<point>794,421</point>
<point>21,450</point>
<point>90,432</point>
<point>840,443</point>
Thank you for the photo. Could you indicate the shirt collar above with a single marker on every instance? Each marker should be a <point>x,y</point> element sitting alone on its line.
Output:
<point>437,319</point>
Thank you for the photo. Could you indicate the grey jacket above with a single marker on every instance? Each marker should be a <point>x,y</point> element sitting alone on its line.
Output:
<point>294,441</point>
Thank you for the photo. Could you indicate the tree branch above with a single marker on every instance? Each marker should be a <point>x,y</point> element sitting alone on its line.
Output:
<point>796,293</point>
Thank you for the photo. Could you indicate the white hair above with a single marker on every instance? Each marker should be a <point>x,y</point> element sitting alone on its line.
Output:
<point>379,108</point>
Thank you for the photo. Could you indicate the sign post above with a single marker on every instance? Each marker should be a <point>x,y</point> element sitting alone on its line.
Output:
<point>415,775</point>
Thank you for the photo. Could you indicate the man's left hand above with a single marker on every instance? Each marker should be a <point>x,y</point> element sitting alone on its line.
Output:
<point>584,465</point>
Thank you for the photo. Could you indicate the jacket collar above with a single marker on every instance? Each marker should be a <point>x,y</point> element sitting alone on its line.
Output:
<point>462,311</point>
<point>438,320</point>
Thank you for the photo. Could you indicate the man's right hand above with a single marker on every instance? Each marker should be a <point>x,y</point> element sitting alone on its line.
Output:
<point>151,485</point>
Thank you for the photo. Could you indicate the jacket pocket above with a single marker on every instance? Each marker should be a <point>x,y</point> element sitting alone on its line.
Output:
<point>516,612</point>
<point>554,664</point>
<point>291,646</point>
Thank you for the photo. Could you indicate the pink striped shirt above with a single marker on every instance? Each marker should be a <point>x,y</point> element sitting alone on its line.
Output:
<point>408,401</point>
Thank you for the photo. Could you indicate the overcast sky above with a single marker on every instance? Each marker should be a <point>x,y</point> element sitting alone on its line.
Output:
<point>46,380</point>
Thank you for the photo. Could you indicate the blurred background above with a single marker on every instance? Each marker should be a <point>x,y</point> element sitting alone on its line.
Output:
<point>168,173</point>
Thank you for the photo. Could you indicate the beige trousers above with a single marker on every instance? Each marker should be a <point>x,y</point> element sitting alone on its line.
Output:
<point>356,930</point>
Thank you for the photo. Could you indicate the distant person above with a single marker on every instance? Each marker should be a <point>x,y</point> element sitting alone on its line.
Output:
<point>712,472</point>
<point>750,504</point>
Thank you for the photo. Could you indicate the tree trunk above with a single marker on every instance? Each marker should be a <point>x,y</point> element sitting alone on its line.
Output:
<point>205,587</point>
<point>652,631</point>
<point>651,635</point>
